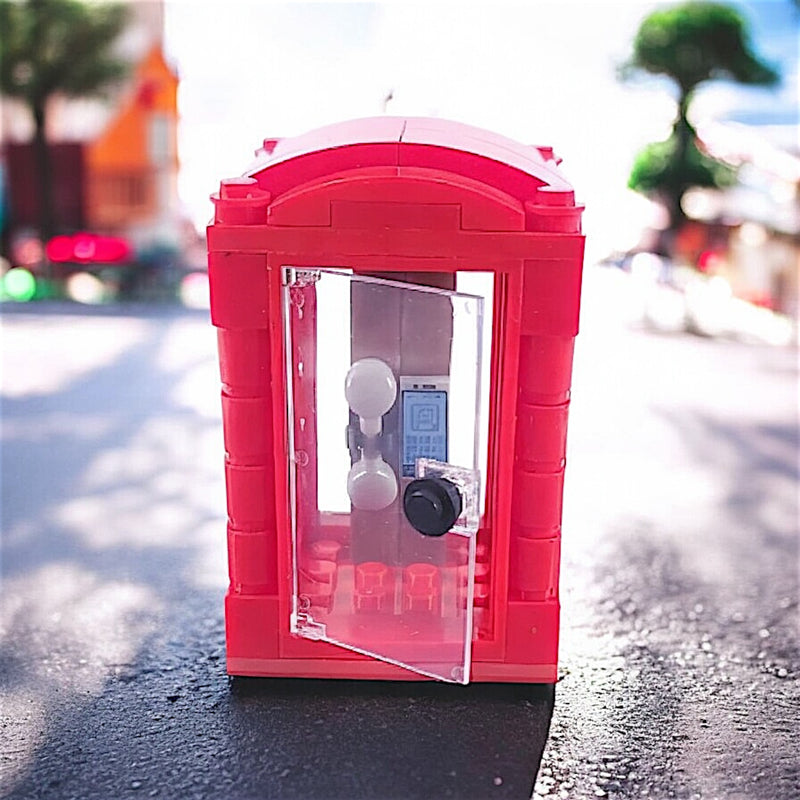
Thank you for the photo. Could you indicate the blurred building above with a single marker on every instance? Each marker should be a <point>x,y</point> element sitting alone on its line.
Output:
<point>131,168</point>
<point>750,233</point>
<point>114,161</point>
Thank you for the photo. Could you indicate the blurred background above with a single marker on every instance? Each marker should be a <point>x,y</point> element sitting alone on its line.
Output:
<point>677,124</point>
<point>689,171</point>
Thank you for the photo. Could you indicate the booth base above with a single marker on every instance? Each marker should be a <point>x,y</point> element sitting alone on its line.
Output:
<point>257,647</point>
<point>344,669</point>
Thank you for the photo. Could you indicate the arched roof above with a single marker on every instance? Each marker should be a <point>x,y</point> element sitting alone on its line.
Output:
<point>521,171</point>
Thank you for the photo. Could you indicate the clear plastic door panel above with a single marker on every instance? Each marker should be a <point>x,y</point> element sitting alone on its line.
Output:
<point>383,405</point>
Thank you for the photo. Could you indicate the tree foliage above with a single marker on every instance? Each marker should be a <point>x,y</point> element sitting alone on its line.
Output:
<point>696,42</point>
<point>657,169</point>
<point>690,43</point>
<point>57,47</point>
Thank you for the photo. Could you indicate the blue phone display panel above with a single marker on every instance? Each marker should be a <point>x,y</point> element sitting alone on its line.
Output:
<point>424,427</point>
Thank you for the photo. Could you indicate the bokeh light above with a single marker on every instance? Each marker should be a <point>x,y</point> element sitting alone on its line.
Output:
<point>26,251</point>
<point>19,285</point>
<point>82,287</point>
<point>193,290</point>
<point>89,248</point>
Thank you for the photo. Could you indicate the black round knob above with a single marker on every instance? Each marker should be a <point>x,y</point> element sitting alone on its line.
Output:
<point>432,505</point>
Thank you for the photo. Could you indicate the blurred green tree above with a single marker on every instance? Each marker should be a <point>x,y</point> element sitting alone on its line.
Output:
<point>690,43</point>
<point>57,47</point>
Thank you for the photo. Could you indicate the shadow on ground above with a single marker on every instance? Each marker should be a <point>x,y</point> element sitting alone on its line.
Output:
<point>112,672</point>
<point>680,627</point>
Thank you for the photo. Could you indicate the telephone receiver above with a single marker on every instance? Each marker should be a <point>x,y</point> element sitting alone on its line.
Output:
<point>371,389</point>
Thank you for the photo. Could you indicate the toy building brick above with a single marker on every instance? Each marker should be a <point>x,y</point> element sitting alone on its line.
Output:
<point>396,302</point>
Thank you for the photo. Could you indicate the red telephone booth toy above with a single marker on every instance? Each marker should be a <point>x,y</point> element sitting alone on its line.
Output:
<point>396,302</point>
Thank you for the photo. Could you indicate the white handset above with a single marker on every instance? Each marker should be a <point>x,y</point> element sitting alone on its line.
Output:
<point>371,389</point>
<point>371,484</point>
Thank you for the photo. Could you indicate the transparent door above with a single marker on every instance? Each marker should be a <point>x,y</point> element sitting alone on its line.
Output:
<point>383,416</point>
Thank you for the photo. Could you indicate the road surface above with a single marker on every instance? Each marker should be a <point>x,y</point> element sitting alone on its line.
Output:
<point>679,654</point>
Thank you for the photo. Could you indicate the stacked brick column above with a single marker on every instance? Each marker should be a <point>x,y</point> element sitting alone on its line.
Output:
<point>549,324</point>
<point>240,303</point>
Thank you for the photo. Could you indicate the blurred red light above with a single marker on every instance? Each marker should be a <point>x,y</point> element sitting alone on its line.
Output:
<point>59,248</point>
<point>111,250</point>
<point>83,246</point>
<point>708,261</point>
<point>89,248</point>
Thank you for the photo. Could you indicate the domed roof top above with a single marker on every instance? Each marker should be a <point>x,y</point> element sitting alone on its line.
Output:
<point>522,171</point>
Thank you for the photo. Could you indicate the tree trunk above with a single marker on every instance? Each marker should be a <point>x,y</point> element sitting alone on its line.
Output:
<point>685,135</point>
<point>44,173</point>
<point>673,194</point>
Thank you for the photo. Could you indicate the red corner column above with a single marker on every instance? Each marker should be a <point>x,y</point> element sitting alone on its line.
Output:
<point>240,309</point>
<point>548,326</point>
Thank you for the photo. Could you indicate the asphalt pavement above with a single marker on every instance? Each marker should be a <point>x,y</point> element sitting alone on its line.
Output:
<point>679,655</point>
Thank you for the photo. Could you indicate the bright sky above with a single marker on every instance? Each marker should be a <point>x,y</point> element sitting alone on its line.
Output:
<point>539,72</point>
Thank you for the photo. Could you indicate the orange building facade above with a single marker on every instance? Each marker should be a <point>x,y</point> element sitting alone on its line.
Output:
<point>132,167</point>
